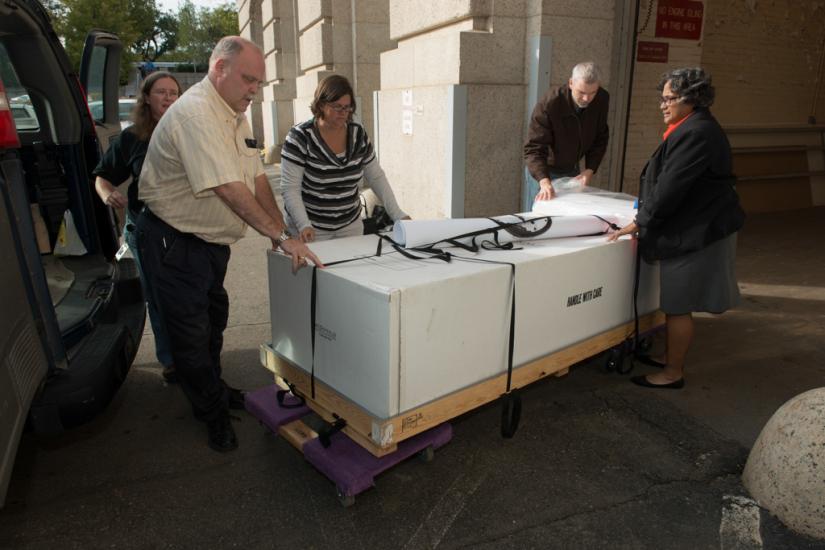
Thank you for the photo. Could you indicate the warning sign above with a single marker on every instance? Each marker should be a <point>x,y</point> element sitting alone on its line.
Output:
<point>652,52</point>
<point>679,19</point>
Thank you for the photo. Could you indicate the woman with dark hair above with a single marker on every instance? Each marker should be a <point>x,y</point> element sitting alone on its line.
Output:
<point>124,159</point>
<point>322,163</point>
<point>688,217</point>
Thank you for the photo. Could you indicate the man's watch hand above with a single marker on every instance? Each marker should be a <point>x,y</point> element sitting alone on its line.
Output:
<point>300,254</point>
<point>282,237</point>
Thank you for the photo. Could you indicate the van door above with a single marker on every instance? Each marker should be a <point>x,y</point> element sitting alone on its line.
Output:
<point>23,361</point>
<point>100,76</point>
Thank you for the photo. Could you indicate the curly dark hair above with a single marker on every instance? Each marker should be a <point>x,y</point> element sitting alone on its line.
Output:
<point>331,89</point>
<point>693,85</point>
<point>144,125</point>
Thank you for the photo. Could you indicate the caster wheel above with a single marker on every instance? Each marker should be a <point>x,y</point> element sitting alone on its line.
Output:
<point>615,358</point>
<point>427,454</point>
<point>645,344</point>
<point>345,500</point>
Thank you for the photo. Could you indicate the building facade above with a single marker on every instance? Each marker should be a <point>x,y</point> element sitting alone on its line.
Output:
<point>445,87</point>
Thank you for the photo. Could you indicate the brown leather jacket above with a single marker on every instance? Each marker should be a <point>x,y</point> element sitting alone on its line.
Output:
<point>558,138</point>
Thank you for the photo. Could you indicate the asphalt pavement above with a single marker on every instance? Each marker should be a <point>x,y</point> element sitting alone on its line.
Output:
<point>596,463</point>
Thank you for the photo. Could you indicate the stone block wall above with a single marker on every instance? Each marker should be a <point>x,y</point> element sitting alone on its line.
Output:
<point>478,52</point>
<point>249,22</point>
<point>764,58</point>
<point>457,79</point>
<point>306,40</point>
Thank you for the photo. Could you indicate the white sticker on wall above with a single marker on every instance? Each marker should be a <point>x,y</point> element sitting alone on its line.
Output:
<point>407,122</point>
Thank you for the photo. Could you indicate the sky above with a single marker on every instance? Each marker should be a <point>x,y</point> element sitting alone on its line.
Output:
<point>173,5</point>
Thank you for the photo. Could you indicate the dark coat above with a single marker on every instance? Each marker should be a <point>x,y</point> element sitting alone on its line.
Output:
<point>558,137</point>
<point>687,198</point>
<point>124,159</point>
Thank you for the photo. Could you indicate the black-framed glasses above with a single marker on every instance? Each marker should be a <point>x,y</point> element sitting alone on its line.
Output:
<point>669,99</point>
<point>341,108</point>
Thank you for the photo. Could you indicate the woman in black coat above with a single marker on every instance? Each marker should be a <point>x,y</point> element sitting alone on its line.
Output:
<point>688,217</point>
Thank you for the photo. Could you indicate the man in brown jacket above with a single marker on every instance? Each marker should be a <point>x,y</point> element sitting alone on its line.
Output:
<point>568,123</point>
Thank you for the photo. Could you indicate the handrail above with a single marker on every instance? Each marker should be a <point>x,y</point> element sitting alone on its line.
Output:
<point>786,176</point>
<point>767,129</point>
<point>777,149</point>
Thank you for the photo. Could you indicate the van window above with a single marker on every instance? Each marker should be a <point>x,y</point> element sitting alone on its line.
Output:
<point>96,80</point>
<point>25,119</point>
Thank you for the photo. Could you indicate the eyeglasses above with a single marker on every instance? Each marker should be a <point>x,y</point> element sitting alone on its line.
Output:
<point>341,108</point>
<point>669,99</point>
<point>166,93</point>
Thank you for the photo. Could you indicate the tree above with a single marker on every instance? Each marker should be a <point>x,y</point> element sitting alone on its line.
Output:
<point>162,38</point>
<point>200,29</point>
<point>144,31</point>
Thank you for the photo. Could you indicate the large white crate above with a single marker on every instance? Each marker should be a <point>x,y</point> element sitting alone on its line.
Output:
<point>393,334</point>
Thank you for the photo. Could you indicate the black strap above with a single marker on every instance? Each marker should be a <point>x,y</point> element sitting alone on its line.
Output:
<point>325,433</point>
<point>518,229</point>
<point>514,228</point>
<point>631,343</point>
<point>610,224</point>
<point>313,295</point>
<point>429,252</point>
<point>636,277</point>
<point>510,399</point>
<point>280,395</point>
<point>510,413</point>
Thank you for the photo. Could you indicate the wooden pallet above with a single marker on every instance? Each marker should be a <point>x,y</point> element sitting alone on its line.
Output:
<point>381,436</point>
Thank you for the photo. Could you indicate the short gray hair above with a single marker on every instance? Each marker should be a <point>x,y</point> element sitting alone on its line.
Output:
<point>692,84</point>
<point>228,48</point>
<point>587,72</point>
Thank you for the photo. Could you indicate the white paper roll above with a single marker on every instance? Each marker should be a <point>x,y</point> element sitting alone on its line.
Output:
<point>416,233</point>
<point>572,214</point>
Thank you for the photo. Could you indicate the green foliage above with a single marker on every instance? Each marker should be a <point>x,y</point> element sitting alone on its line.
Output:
<point>146,32</point>
<point>133,21</point>
<point>200,29</point>
<point>162,38</point>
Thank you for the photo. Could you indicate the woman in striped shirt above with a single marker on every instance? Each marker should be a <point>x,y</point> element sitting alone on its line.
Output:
<point>323,161</point>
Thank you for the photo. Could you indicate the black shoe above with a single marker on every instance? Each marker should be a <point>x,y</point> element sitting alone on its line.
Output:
<point>170,374</point>
<point>648,360</point>
<point>237,398</point>
<point>645,383</point>
<point>221,434</point>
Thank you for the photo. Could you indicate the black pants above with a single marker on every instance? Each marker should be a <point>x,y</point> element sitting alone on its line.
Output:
<point>186,277</point>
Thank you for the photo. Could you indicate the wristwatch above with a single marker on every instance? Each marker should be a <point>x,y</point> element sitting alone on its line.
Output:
<point>282,237</point>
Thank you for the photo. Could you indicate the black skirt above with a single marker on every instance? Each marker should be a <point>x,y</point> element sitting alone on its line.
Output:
<point>704,280</point>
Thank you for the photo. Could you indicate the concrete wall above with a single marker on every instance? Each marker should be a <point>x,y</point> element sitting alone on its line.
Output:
<point>454,98</point>
<point>249,22</point>
<point>456,80</point>
<point>280,48</point>
<point>764,58</point>
<point>579,30</point>
<point>306,40</point>
<point>645,126</point>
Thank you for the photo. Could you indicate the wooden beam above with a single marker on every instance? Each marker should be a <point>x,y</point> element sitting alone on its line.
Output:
<point>380,436</point>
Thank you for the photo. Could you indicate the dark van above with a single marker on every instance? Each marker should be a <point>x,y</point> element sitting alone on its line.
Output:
<point>71,308</point>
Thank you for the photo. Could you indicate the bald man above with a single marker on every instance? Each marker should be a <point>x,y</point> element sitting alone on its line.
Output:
<point>202,183</point>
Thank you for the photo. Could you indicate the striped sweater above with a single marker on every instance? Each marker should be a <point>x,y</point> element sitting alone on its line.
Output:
<point>329,188</point>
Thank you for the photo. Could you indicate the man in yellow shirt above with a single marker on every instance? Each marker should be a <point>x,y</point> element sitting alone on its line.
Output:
<point>202,184</point>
